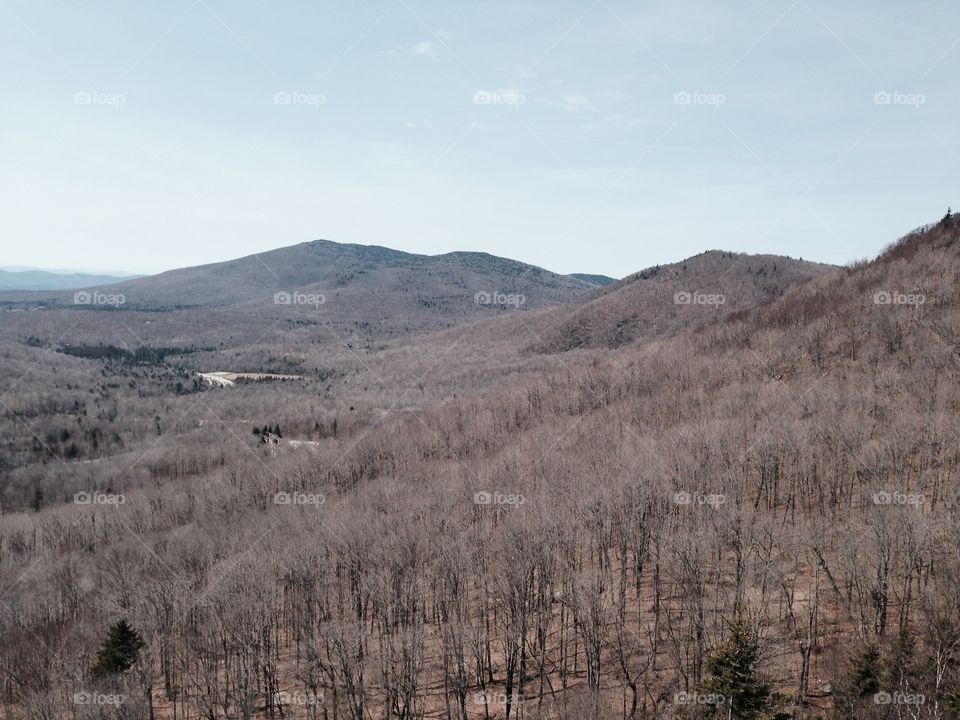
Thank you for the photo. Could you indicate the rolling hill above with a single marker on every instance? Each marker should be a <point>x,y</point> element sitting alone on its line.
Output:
<point>661,300</point>
<point>437,284</point>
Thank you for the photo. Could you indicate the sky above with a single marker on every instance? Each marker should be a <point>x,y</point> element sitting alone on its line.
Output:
<point>596,136</point>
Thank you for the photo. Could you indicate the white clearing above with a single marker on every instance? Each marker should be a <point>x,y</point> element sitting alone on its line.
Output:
<point>226,378</point>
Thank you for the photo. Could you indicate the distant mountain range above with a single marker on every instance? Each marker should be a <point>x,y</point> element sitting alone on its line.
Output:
<point>363,291</point>
<point>355,276</point>
<point>24,278</point>
<point>338,290</point>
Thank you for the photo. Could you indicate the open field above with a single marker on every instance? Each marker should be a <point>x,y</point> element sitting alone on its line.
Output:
<point>225,378</point>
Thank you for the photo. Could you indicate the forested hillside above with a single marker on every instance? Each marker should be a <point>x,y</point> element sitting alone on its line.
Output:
<point>319,292</point>
<point>752,517</point>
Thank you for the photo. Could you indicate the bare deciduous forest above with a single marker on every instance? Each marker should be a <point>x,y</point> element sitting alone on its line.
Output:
<point>748,511</point>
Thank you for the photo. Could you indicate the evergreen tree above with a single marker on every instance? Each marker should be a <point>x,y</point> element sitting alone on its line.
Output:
<point>902,669</point>
<point>951,700</point>
<point>865,673</point>
<point>855,693</point>
<point>733,675</point>
<point>119,651</point>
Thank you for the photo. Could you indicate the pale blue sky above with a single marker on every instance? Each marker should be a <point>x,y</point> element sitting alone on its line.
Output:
<point>145,136</point>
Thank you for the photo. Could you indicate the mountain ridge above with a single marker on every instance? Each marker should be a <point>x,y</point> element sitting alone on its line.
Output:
<point>660,300</point>
<point>39,280</point>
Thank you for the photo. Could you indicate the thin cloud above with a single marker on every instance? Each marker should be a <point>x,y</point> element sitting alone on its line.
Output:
<point>577,103</point>
<point>423,49</point>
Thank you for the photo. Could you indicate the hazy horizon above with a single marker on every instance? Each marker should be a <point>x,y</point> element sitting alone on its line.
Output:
<point>120,273</point>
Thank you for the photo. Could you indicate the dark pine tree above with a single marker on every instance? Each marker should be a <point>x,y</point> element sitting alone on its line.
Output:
<point>119,651</point>
<point>854,693</point>
<point>865,672</point>
<point>733,675</point>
